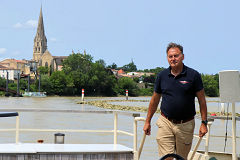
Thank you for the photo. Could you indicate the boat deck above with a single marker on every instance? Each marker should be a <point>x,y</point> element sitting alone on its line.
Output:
<point>29,151</point>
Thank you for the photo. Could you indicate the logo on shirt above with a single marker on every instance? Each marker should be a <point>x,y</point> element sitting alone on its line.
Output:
<point>184,82</point>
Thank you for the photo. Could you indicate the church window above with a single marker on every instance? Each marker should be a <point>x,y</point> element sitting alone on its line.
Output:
<point>37,43</point>
<point>46,64</point>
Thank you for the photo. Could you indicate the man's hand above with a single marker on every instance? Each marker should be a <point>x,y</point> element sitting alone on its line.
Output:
<point>147,128</point>
<point>203,130</point>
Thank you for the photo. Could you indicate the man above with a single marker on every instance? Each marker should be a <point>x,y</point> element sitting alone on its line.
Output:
<point>178,85</point>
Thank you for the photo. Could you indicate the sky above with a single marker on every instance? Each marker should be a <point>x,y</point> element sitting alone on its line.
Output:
<point>121,31</point>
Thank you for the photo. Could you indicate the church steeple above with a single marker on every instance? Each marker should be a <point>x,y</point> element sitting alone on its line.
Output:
<point>40,40</point>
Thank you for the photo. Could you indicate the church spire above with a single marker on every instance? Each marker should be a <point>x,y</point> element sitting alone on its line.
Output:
<point>40,40</point>
<point>40,29</point>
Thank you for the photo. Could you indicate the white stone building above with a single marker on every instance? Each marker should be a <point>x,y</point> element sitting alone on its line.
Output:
<point>12,73</point>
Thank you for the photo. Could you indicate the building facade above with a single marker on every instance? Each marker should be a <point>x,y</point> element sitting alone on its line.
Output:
<point>12,73</point>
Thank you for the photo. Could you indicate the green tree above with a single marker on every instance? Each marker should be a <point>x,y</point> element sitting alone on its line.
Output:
<point>131,67</point>
<point>129,84</point>
<point>211,85</point>
<point>2,82</point>
<point>23,84</point>
<point>101,82</point>
<point>42,70</point>
<point>101,62</point>
<point>77,62</point>
<point>46,84</point>
<point>58,82</point>
<point>112,66</point>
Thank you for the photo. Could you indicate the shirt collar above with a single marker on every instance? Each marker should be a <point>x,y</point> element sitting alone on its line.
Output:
<point>184,71</point>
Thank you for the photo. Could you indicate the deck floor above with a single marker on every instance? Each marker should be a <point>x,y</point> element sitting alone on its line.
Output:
<point>36,151</point>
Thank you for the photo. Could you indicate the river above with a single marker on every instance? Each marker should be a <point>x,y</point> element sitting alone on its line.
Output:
<point>96,121</point>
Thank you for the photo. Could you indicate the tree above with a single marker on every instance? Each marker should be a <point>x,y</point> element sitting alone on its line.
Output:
<point>43,70</point>
<point>127,83</point>
<point>112,66</point>
<point>46,84</point>
<point>131,67</point>
<point>101,62</point>
<point>102,82</point>
<point>2,82</point>
<point>77,62</point>
<point>211,85</point>
<point>149,79</point>
<point>58,82</point>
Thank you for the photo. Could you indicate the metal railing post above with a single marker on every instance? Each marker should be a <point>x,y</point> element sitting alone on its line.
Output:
<point>115,127</point>
<point>135,152</point>
<point>234,155</point>
<point>195,148</point>
<point>17,129</point>
<point>207,138</point>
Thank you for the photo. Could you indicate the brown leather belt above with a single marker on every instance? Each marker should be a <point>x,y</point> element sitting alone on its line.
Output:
<point>175,121</point>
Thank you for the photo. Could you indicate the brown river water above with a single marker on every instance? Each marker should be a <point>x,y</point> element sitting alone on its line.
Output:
<point>93,121</point>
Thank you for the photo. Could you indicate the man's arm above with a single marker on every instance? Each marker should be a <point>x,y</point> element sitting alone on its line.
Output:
<point>151,110</point>
<point>203,110</point>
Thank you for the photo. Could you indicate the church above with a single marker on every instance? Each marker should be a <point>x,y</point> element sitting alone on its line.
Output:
<point>41,55</point>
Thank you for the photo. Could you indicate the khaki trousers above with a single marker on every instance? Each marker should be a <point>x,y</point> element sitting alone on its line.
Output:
<point>174,138</point>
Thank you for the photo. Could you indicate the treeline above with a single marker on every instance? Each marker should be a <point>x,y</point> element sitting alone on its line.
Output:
<point>80,72</point>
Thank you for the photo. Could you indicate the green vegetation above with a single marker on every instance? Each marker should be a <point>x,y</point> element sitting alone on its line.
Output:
<point>80,72</point>
<point>211,84</point>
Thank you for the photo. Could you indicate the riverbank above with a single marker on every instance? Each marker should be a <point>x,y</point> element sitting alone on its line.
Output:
<point>106,104</point>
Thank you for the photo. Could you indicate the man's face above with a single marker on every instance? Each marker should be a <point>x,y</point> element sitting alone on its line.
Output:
<point>175,57</point>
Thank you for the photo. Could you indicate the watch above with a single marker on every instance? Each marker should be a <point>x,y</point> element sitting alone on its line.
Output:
<point>205,122</point>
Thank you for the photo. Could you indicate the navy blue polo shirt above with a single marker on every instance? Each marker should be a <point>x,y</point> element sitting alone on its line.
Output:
<point>178,93</point>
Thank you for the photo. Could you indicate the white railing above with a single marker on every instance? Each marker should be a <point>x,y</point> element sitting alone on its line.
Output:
<point>115,131</point>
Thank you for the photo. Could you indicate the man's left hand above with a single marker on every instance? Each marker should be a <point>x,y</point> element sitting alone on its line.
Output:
<point>203,130</point>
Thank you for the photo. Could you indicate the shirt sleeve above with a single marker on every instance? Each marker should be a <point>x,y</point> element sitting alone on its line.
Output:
<point>157,86</point>
<point>198,84</point>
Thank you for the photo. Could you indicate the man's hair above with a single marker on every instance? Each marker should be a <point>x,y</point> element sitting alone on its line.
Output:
<point>174,45</point>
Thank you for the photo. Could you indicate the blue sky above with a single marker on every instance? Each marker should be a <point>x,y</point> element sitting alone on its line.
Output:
<point>121,30</point>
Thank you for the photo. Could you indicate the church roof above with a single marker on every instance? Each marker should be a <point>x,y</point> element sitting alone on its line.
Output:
<point>59,59</point>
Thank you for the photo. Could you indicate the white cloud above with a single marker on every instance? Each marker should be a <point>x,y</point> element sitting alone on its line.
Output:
<point>3,50</point>
<point>53,39</point>
<point>29,24</point>
<point>18,25</point>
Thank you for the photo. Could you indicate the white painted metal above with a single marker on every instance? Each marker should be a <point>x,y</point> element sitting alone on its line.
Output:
<point>82,94</point>
<point>229,86</point>
<point>234,155</point>
<point>115,127</point>
<point>222,108</point>
<point>115,131</point>
<point>62,148</point>
<point>124,132</point>
<point>17,129</point>
<point>207,138</point>
<point>141,145</point>
<point>195,148</point>
<point>135,140</point>
<point>65,130</point>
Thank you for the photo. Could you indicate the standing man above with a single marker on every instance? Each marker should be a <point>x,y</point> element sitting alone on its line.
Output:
<point>178,86</point>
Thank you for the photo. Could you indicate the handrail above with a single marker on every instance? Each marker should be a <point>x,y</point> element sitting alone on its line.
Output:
<point>115,130</point>
<point>137,153</point>
<point>13,114</point>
